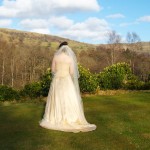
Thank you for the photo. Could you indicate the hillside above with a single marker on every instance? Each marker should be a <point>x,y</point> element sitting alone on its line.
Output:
<point>146,46</point>
<point>26,56</point>
<point>31,38</point>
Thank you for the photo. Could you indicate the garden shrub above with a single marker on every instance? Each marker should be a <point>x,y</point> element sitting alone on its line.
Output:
<point>31,90</point>
<point>148,78</point>
<point>113,77</point>
<point>8,93</point>
<point>87,81</point>
<point>133,83</point>
<point>37,89</point>
<point>45,82</point>
<point>146,86</point>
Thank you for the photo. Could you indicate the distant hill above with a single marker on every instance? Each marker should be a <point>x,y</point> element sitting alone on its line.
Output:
<point>31,38</point>
<point>146,46</point>
<point>25,56</point>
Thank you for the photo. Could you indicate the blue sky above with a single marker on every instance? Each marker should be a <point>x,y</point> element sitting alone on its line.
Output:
<point>82,20</point>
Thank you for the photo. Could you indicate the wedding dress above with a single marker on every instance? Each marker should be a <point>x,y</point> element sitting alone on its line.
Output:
<point>64,109</point>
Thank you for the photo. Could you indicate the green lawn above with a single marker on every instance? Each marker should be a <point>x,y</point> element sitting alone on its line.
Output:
<point>123,123</point>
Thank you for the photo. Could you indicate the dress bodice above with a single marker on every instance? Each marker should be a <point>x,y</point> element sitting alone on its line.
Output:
<point>62,69</point>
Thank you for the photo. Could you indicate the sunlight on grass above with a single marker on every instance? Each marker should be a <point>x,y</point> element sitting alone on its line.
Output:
<point>123,123</point>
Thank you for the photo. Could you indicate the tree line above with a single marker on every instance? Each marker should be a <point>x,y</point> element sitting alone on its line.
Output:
<point>115,51</point>
<point>25,60</point>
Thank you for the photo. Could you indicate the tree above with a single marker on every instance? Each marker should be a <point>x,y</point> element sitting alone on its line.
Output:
<point>3,53</point>
<point>114,45</point>
<point>134,44</point>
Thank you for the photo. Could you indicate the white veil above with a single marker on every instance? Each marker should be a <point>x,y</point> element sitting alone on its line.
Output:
<point>69,52</point>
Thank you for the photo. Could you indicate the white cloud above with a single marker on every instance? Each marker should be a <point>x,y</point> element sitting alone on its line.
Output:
<point>34,23</point>
<point>14,8</point>
<point>41,30</point>
<point>49,16</point>
<point>7,13</point>
<point>116,16</point>
<point>60,22</point>
<point>144,19</point>
<point>45,8</point>
<point>93,29</point>
<point>5,22</point>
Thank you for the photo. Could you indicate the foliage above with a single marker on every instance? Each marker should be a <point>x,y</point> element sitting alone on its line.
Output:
<point>7,93</point>
<point>114,76</point>
<point>146,86</point>
<point>31,90</point>
<point>45,82</point>
<point>149,77</point>
<point>133,83</point>
<point>37,89</point>
<point>88,82</point>
<point>34,53</point>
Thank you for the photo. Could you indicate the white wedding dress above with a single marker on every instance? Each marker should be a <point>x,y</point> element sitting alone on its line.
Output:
<point>63,110</point>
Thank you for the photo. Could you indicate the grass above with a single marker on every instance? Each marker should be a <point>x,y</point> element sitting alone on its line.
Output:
<point>123,123</point>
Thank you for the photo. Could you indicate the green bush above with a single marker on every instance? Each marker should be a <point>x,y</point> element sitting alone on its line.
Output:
<point>88,82</point>
<point>133,83</point>
<point>45,82</point>
<point>31,90</point>
<point>7,93</point>
<point>114,76</point>
<point>148,78</point>
<point>37,89</point>
<point>146,86</point>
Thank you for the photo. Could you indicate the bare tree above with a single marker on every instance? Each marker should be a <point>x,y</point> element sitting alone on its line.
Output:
<point>3,53</point>
<point>114,45</point>
<point>134,41</point>
<point>134,44</point>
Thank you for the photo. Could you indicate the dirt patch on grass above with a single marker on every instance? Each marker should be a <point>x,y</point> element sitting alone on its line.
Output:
<point>146,135</point>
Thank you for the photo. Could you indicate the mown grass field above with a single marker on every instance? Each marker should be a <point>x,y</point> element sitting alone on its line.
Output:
<point>123,123</point>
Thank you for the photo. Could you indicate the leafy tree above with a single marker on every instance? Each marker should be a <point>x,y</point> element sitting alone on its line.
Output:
<point>45,82</point>
<point>113,77</point>
<point>88,82</point>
